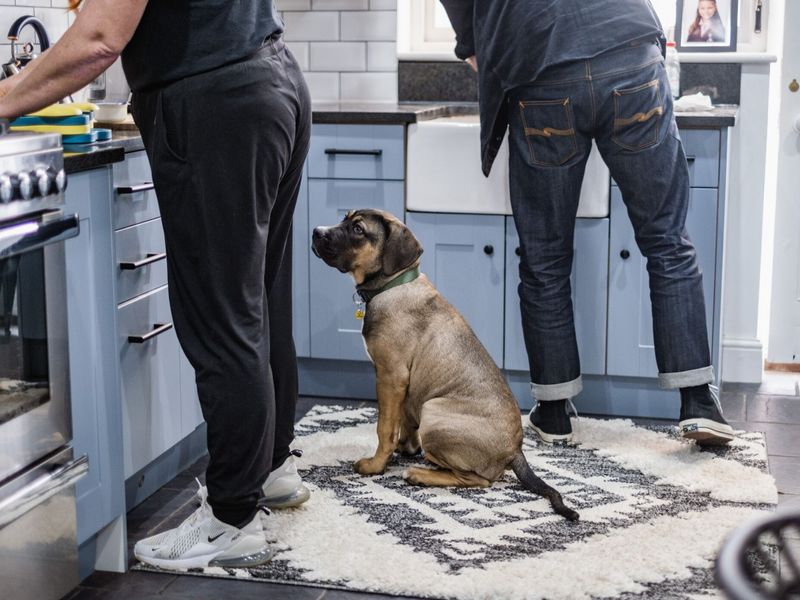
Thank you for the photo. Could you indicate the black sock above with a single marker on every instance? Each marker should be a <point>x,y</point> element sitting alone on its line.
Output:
<point>695,392</point>
<point>548,408</point>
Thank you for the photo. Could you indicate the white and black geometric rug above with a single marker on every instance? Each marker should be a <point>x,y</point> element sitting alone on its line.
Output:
<point>653,512</point>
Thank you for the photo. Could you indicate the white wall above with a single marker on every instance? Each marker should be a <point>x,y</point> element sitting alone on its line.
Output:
<point>346,47</point>
<point>784,320</point>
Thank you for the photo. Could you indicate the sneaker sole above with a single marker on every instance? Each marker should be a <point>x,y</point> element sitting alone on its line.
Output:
<point>706,432</point>
<point>551,438</point>
<point>209,560</point>
<point>298,497</point>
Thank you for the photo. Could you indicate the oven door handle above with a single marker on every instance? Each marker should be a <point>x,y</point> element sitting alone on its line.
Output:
<point>40,489</point>
<point>27,236</point>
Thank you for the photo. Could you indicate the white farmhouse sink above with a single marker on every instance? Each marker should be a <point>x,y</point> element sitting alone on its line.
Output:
<point>444,172</point>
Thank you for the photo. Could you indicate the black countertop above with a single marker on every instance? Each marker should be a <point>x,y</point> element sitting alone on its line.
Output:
<point>84,157</point>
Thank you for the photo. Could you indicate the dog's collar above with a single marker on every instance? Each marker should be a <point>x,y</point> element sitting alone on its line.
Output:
<point>407,277</point>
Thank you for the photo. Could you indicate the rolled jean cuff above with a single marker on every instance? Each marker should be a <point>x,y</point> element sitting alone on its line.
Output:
<point>556,391</point>
<point>681,379</point>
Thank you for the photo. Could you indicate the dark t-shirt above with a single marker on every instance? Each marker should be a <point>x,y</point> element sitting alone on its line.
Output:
<point>179,38</point>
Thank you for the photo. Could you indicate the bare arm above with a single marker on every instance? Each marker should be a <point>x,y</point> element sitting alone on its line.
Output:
<point>94,41</point>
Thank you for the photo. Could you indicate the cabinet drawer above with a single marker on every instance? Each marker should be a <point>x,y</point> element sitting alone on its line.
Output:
<point>134,196</point>
<point>141,259</point>
<point>150,379</point>
<point>357,152</point>
<point>702,153</point>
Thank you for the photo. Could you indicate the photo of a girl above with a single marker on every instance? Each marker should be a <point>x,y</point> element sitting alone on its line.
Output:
<point>707,25</point>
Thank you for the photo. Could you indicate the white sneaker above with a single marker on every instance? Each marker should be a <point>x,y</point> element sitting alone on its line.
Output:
<point>284,488</point>
<point>202,540</point>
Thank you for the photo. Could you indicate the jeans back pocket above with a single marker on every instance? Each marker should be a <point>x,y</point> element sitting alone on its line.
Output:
<point>549,130</point>
<point>637,115</point>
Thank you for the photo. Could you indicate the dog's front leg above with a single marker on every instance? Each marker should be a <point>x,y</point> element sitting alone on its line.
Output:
<point>392,388</point>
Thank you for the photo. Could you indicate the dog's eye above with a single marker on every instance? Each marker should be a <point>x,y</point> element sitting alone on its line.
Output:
<point>357,229</point>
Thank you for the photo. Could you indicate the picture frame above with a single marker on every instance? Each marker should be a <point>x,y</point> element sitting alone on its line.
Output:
<point>706,25</point>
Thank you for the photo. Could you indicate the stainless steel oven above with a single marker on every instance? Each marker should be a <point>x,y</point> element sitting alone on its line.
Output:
<point>38,547</point>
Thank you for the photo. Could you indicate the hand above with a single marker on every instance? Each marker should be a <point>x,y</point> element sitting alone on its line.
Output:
<point>472,62</point>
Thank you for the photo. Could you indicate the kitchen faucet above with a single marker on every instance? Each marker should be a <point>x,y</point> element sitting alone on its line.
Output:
<point>18,61</point>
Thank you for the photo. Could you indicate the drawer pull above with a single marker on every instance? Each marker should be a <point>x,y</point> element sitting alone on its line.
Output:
<point>690,159</point>
<point>132,189</point>
<point>149,259</point>
<point>158,329</point>
<point>376,152</point>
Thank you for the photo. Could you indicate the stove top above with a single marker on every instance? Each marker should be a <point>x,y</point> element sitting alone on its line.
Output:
<point>32,177</point>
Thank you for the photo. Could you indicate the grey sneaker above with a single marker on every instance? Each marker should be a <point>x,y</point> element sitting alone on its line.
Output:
<point>284,488</point>
<point>202,541</point>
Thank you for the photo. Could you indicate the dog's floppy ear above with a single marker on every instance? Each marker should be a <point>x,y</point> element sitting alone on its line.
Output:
<point>401,249</point>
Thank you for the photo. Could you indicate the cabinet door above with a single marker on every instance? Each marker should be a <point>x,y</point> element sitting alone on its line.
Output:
<point>631,349</point>
<point>589,282</point>
<point>94,384</point>
<point>301,243</point>
<point>335,333</point>
<point>150,378</point>
<point>464,258</point>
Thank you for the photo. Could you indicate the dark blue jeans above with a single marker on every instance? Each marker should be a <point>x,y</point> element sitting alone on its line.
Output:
<point>622,100</point>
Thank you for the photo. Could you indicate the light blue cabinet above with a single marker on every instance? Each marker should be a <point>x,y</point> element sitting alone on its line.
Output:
<point>589,296</point>
<point>464,257</point>
<point>630,321</point>
<point>335,333</point>
<point>301,244</point>
<point>94,383</point>
<point>357,152</point>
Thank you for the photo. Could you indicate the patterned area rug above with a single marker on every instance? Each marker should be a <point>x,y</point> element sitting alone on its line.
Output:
<point>654,511</point>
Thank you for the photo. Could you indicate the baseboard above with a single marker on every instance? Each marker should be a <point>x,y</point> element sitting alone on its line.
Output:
<point>782,367</point>
<point>742,360</point>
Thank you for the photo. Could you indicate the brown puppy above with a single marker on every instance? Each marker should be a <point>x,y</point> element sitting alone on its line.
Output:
<point>438,388</point>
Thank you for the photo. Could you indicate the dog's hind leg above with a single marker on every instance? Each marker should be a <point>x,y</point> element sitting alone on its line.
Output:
<point>409,444</point>
<point>444,478</point>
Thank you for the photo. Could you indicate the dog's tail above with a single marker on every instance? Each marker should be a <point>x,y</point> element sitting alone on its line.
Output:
<point>535,484</point>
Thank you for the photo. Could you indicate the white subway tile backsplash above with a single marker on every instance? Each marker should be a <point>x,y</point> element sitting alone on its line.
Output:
<point>369,26</point>
<point>311,26</point>
<point>60,3</point>
<point>340,4</point>
<point>300,51</point>
<point>384,4</point>
<point>293,4</point>
<point>379,87</point>
<point>34,3</point>
<point>338,56</point>
<point>323,86</point>
<point>381,56</point>
<point>56,21</point>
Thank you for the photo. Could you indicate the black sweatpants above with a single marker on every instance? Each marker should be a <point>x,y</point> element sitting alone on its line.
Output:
<point>227,149</point>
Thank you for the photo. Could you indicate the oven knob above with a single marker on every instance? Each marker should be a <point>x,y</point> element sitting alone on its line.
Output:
<point>6,189</point>
<point>60,181</point>
<point>24,186</point>
<point>41,182</point>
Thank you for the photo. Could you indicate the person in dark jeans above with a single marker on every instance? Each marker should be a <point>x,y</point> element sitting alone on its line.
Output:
<point>225,118</point>
<point>558,75</point>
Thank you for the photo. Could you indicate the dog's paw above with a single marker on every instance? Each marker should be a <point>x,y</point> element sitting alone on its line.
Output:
<point>369,466</point>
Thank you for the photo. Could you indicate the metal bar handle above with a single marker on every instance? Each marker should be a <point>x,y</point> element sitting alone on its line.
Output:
<point>40,489</point>
<point>690,158</point>
<point>376,152</point>
<point>132,189</point>
<point>150,258</point>
<point>158,329</point>
<point>32,235</point>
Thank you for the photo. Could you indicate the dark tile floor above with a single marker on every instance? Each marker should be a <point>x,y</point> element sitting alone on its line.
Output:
<point>772,407</point>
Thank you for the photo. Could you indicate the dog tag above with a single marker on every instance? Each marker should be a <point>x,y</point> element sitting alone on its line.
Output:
<point>360,310</point>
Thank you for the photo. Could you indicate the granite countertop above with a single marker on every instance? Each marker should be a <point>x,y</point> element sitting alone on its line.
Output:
<point>90,156</point>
